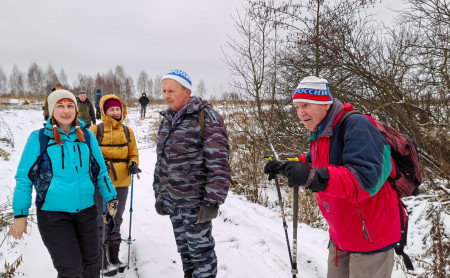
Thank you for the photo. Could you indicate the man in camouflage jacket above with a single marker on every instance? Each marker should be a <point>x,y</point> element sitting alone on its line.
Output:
<point>192,173</point>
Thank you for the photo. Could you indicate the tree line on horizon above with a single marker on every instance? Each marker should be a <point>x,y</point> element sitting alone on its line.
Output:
<point>37,82</point>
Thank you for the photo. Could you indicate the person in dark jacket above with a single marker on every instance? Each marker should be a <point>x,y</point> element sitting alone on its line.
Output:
<point>350,179</point>
<point>96,98</point>
<point>192,174</point>
<point>143,100</point>
<point>66,212</point>
<point>86,109</point>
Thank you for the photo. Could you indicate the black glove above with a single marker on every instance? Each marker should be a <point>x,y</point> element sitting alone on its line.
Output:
<point>207,212</point>
<point>160,208</point>
<point>320,181</point>
<point>111,210</point>
<point>274,168</point>
<point>297,173</point>
<point>133,169</point>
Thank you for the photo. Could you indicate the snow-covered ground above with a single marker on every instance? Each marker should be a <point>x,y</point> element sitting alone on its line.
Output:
<point>250,240</point>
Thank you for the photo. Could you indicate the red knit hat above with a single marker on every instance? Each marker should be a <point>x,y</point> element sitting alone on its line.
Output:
<point>111,103</point>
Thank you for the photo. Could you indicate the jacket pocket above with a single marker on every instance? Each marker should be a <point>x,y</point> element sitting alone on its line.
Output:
<point>365,231</point>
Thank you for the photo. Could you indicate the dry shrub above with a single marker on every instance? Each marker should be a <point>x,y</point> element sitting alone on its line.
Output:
<point>10,269</point>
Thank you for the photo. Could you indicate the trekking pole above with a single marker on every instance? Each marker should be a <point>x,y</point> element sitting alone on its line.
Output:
<point>103,236</point>
<point>294,240</point>
<point>283,216</point>
<point>131,216</point>
<point>294,225</point>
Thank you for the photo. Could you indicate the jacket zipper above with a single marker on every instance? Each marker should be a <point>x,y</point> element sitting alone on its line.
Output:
<point>79,154</point>
<point>62,153</point>
<point>364,228</point>
<point>107,186</point>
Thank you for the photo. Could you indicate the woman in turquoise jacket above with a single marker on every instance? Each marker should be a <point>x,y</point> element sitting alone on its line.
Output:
<point>64,176</point>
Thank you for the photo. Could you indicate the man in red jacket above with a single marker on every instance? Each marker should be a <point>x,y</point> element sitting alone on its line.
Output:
<point>350,179</point>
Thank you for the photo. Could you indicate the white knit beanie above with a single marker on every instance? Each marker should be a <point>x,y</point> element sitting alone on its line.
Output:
<point>181,77</point>
<point>55,96</point>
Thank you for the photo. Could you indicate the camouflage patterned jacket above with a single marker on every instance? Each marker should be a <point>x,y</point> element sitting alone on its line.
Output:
<point>191,170</point>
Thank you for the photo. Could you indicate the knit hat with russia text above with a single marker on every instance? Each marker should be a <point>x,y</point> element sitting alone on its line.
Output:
<point>313,90</point>
<point>181,77</point>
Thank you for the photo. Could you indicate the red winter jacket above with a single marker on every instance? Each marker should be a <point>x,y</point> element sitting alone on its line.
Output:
<point>360,206</point>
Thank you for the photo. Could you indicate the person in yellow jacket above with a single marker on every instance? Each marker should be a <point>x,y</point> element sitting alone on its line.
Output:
<point>120,152</point>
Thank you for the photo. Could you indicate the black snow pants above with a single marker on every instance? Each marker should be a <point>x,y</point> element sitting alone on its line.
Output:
<point>72,241</point>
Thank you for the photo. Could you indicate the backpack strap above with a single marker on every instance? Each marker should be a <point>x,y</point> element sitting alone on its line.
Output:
<point>341,133</point>
<point>404,235</point>
<point>127,133</point>
<point>87,137</point>
<point>43,141</point>
<point>201,121</point>
<point>100,131</point>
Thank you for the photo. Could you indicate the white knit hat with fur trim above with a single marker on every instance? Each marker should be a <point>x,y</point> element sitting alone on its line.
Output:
<point>55,96</point>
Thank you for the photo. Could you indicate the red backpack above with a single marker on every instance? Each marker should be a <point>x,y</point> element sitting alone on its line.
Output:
<point>404,153</point>
<point>407,172</point>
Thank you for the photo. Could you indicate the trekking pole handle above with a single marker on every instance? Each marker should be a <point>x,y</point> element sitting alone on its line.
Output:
<point>268,157</point>
<point>292,158</point>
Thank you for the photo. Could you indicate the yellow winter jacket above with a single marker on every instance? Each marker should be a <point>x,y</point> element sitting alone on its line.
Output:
<point>113,137</point>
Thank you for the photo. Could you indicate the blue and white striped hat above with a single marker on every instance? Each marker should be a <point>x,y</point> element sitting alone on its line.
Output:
<point>181,77</point>
<point>313,90</point>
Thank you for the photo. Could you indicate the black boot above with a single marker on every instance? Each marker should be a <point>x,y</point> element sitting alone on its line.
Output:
<point>91,271</point>
<point>108,269</point>
<point>113,250</point>
<point>188,273</point>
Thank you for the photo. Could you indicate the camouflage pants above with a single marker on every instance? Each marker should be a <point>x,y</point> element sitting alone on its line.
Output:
<point>195,244</point>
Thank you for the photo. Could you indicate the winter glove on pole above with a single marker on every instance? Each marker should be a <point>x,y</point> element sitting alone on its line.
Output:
<point>274,168</point>
<point>300,174</point>
<point>133,169</point>
<point>160,208</point>
<point>111,208</point>
<point>297,173</point>
<point>207,212</point>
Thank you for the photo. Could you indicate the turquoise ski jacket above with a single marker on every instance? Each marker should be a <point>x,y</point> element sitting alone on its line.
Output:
<point>71,189</point>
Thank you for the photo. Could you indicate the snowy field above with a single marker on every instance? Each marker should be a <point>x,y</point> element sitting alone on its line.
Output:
<point>250,240</point>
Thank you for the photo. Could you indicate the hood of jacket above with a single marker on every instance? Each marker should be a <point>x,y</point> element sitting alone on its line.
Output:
<point>108,120</point>
<point>194,105</point>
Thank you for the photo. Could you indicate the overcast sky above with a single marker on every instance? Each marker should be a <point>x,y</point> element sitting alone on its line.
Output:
<point>91,36</point>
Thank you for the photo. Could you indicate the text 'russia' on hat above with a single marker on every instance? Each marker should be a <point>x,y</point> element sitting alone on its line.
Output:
<point>313,90</point>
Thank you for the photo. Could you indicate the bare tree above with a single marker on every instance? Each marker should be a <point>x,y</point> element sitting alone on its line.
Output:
<point>142,84</point>
<point>63,78</point>
<point>35,80</point>
<point>201,89</point>
<point>17,82</point>
<point>157,87</point>
<point>3,83</point>
<point>252,59</point>
<point>50,78</point>
<point>151,92</point>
